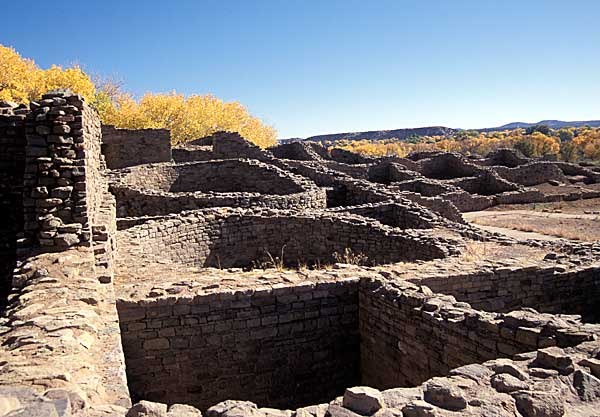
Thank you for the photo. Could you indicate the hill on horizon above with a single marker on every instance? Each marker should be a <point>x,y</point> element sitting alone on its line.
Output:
<point>435,131</point>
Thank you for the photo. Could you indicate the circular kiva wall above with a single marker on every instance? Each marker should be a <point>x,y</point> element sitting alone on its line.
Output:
<point>159,189</point>
<point>235,238</point>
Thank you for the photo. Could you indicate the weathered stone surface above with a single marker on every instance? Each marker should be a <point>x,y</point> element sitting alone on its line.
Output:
<point>442,393</point>
<point>587,386</point>
<point>147,409</point>
<point>363,400</point>
<point>539,404</point>
<point>507,383</point>
<point>554,358</point>
<point>419,408</point>
<point>399,397</point>
<point>337,411</point>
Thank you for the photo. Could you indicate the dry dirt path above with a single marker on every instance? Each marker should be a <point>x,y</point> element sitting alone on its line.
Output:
<point>529,224</point>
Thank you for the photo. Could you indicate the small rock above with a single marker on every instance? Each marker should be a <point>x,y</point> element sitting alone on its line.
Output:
<point>148,409</point>
<point>182,410</point>
<point>441,392</point>
<point>543,373</point>
<point>419,408</point>
<point>335,410</point>
<point>399,397</point>
<point>363,400</point>
<point>554,358</point>
<point>502,366</point>
<point>587,386</point>
<point>538,404</point>
<point>507,383</point>
<point>232,408</point>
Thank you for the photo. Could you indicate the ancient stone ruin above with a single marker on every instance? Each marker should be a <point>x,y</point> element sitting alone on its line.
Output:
<point>223,279</point>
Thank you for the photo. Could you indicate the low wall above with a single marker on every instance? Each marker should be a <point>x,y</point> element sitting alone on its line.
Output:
<point>127,147</point>
<point>232,238</point>
<point>279,347</point>
<point>546,289</point>
<point>230,175</point>
<point>532,173</point>
<point>409,335</point>
<point>133,202</point>
<point>192,153</point>
<point>160,189</point>
<point>402,215</point>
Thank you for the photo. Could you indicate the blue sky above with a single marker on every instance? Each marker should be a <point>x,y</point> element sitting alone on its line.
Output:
<point>322,66</point>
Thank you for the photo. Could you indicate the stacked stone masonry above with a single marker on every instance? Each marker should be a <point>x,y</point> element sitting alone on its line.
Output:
<point>310,279</point>
<point>124,147</point>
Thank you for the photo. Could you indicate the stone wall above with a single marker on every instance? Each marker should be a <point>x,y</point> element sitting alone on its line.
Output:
<point>403,215</point>
<point>236,238</point>
<point>348,157</point>
<point>227,145</point>
<point>285,346</point>
<point>127,147</point>
<point>160,189</point>
<point>550,289</point>
<point>136,203</point>
<point>190,154</point>
<point>222,176</point>
<point>300,151</point>
<point>409,335</point>
<point>62,185</point>
<point>12,164</point>
<point>532,173</point>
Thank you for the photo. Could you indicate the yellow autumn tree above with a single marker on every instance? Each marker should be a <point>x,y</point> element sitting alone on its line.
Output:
<point>19,77</point>
<point>22,81</point>
<point>587,142</point>
<point>188,118</point>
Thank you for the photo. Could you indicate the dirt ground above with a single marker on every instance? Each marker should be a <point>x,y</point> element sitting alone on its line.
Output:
<point>577,220</point>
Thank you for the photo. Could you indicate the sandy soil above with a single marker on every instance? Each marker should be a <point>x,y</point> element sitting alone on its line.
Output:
<point>577,220</point>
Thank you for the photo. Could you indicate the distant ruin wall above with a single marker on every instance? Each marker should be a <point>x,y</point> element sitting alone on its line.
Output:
<point>127,147</point>
<point>532,173</point>
<point>228,145</point>
<point>278,347</point>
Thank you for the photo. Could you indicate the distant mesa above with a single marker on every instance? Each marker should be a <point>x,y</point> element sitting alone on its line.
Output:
<point>403,134</point>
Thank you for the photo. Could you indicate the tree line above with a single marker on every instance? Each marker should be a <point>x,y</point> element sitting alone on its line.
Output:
<point>567,144</point>
<point>188,117</point>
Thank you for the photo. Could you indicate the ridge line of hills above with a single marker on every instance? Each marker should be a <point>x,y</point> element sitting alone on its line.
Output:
<point>435,131</point>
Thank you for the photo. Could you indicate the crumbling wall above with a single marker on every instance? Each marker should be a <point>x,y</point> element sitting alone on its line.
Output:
<point>347,157</point>
<point>546,289</point>
<point>229,145</point>
<point>127,147</point>
<point>409,335</point>
<point>505,157</point>
<point>300,151</point>
<point>159,189</point>
<point>532,173</point>
<point>447,166</point>
<point>403,215</point>
<point>230,175</point>
<point>279,347</point>
<point>192,153</point>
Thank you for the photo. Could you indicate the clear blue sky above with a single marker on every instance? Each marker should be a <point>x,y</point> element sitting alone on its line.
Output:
<point>322,66</point>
